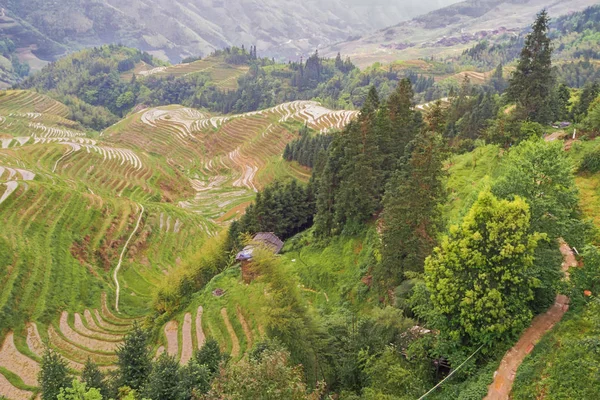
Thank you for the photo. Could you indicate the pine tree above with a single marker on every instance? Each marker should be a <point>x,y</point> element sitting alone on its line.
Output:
<point>498,82</point>
<point>195,380</point>
<point>411,218</point>
<point>210,355</point>
<point>163,382</point>
<point>531,85</point>
<point>94,378</point>
<point>134,360</point>
<point>402,118</point>
<point>53,376</point>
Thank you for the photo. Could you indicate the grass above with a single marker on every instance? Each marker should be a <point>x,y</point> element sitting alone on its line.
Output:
<point>468,174</point>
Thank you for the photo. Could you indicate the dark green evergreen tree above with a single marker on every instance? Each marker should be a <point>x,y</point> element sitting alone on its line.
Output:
<point>498,82</point>
<point>164,380</point>
<point>94,378</point>
<point>411,217</point>
<point>532,84</point>
<point>210,355</point>
<point>53,376</point>
<point>134,360</point>
<point>195,380</point>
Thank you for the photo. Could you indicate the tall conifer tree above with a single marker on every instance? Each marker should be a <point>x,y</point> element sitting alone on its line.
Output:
<point>533,82</point>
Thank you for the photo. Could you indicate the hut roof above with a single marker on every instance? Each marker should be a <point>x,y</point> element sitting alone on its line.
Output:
<point>267,239</point>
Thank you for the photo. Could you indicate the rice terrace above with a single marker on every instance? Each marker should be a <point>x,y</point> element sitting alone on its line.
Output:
<point>147,189</point>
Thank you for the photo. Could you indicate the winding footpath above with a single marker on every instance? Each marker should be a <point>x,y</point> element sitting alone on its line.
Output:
<point>115,277</point>
<point>504,377</point>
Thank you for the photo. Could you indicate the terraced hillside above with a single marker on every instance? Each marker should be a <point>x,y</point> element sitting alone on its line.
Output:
<point>224,75</point>
<point>92,222</point>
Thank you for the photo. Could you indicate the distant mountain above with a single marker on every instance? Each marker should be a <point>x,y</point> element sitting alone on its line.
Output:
<point>450,30</point>
<point>175,29</point>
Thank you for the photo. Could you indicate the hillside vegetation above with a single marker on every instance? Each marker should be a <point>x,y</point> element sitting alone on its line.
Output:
<point>429,244</point>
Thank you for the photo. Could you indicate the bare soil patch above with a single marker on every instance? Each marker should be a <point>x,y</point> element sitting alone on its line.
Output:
<point>200,337</point>
<point>187,347</point>
<point>171,333</point>
<point>14,361</point>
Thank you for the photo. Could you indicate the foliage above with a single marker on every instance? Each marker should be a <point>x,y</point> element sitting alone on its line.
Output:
<point>590,162</point>
<point>134,360</point>
<point>592,121</point>
<point>307,149</point>
<point>287,317</point>
<point>362,159</point>
<point>163,381</point>
<point>79,391</point>
<point>175,291</point>
<point>411,215</point>
<point>586,278</point>
<point>285,209</point>
<point>210,356</point>
<point>541,173</point>
<point>479,276</point>
<point>392,377</point>
<point>93,378</point>
<point>532,83</point>
<point>53,376</point>
<point>270,377</point>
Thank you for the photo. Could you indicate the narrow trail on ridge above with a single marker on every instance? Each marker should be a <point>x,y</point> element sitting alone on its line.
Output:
<point>504,377</point>
<point>115,277</point>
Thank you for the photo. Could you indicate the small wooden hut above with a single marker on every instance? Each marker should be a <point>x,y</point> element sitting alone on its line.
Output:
<point>266,240</point>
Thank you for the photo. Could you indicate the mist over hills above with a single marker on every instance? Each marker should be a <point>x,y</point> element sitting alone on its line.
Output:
<point>450,30</point>
<point>176,29</point>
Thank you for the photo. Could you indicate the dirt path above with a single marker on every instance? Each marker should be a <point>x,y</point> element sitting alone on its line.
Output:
<point>200,338</point>
<point>115,278</point>
<point>235,342</point>
<point>505,375</point>
<point>187,347</point>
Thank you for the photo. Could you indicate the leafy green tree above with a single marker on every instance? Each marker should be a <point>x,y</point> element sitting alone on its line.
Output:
<point>411,217</point>
<point>53,376</point>
<point>532,84</point>
<point>479,276</point>
<point>589,93</point>
<point>271,377</point>
<point>542,173</point>
<point>393,377</point>
<point>93,378</point>
<point>134,359</point>
<point>79,391</point>
<point>587,278</point>
<point>592,121</point>
<point>164,380</point>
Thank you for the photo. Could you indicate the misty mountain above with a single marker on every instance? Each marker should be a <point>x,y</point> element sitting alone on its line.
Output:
<point>452,29</point>
<point>175,29</point>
